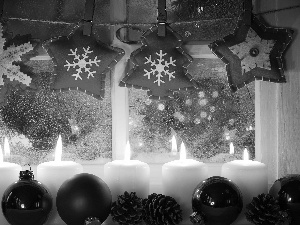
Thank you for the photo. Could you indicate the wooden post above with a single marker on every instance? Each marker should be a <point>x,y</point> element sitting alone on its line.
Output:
<point>119,95</point>
<point>120,109</point>
<point>278,105</point>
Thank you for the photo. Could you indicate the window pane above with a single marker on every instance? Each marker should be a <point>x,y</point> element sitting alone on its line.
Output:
<point>32,122</point>
<point>207,120</point>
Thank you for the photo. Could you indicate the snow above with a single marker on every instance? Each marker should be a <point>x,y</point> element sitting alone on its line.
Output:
<point>160,68</point>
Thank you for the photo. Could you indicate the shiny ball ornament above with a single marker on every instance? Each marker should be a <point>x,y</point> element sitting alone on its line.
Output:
<point>287,191</point>
<point>27,201</point>
<point>82,197</point>
<point>216,201</point>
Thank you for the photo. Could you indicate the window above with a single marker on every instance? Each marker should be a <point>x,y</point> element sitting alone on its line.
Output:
<point>94,129</point>
<point>85,121</point>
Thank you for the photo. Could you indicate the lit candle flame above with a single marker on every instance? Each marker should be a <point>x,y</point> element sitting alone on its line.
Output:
<point>174,146</point>
<point>1,155</point>
<point>6,147</point>
<point>127,151</point>
<point>182,151</point>
<point>246,154</point>
<point>58,150</point>
<point>231,148</point>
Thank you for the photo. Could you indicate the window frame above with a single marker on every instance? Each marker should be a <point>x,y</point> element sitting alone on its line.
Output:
<point>267,99</point>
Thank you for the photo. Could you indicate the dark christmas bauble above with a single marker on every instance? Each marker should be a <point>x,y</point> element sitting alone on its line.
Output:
<point>287,191</point>
<point>82,197</point>
<point>217,201</point>
<point>27,201</point>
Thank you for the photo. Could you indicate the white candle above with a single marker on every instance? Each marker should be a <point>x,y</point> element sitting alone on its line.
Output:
<point>127,175</point>
<point>250,176</point>
<point>179,180</point>
<point>52,174</point>
<point>9,173</point>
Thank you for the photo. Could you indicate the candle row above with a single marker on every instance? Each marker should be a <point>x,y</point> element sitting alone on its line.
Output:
<point>179,178</point>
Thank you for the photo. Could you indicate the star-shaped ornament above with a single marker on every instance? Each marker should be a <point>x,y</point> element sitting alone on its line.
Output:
<point>160,65</point>
<point>253,52</point>
<point>81,62</point>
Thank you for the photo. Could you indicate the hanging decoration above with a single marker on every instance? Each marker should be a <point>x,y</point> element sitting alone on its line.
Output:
<point>128,209</point>
<point>26,201</point>
<point>81,61</point>
<point>161,210</point>
<point>217,201</point>
<point>265,210</point>
<point>286,191</point>
<point>160,65</point>
<point>254,52</point>
<point>14,74</point>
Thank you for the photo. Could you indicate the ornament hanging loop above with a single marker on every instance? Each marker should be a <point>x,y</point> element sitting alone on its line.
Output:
<point>88,17</point>
<point>197,218</point>
<point>92,221</point>
<point>161,18</point>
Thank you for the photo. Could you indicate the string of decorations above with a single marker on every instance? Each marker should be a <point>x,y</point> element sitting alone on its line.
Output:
<point>278,10</point>
<point>147,24</point>
<point>150,24</point>
<point>258,49</point>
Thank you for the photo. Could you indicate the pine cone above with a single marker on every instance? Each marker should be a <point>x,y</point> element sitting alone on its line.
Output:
<point>128,209</point>
<point>265,210</point>
<point>161,210</point>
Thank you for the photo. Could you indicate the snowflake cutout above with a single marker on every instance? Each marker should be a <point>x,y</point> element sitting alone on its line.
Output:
<point>10,55</point>
<point>160,68</point>
<point>253,52</point>
<point>83,63</point>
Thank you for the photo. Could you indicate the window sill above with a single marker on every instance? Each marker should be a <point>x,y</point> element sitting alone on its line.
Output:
<point>214,169</point>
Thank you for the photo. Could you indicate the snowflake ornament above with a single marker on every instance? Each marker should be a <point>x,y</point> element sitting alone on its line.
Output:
<point>8,69</point>
<point>160,68</point>
<point>81,62</point>
<point>13,73</point>
<point>253,52</point>
<point>160,65</point>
